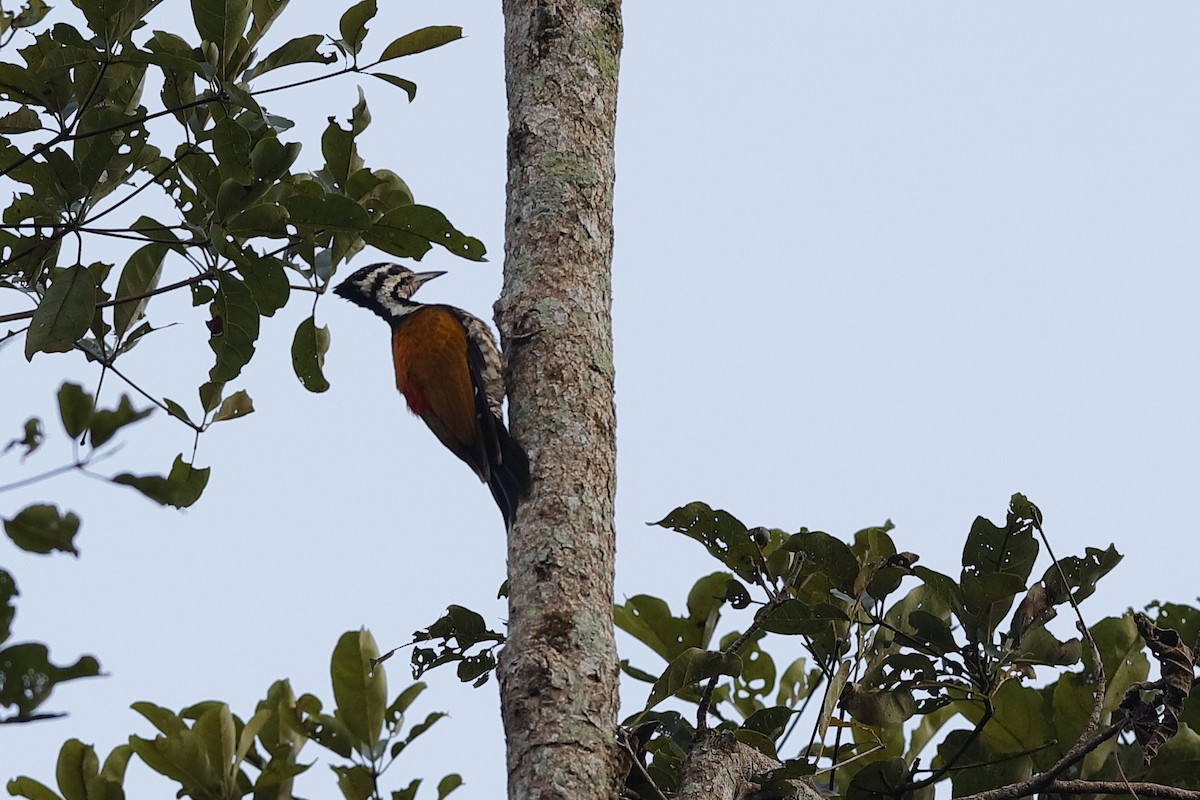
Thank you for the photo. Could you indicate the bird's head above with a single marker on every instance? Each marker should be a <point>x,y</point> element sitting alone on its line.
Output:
<point>386,288</point>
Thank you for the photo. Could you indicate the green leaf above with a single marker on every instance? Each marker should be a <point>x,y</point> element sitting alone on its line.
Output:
<point>232,144</point>
<point>359,691</point>
<point>177,411</point>
<point>1081,573</point>
<point>405,699</point>
<point>105,423</point>
<point>236,405</point>
<point>337,145</point>
<point>167,722</point>
<point>329,212</point>
<point>271,159</point>
<point>877,781</point>
<point>31,789</point>
<point>301,50</point>
<point>181,488</point>
<point>448,784</point>
<point>245,740</point>
<point>8,590</point>
<point>113,20</point>
<point>353,24</point>
<point>23,120</point>
<point>234,328</point>
<point>725,537</point>
<point>216,732</point>
<point>878,708</point>
<point>408,792</point>
<point>265,13</point>
<point>689,668</point>
<point>996,565</point>
<point>408,86</point>
<point>180,754</point>
<point>794,617</point>
<point>77,767</point>
<point>40,528</point>
<point>267,281</point>
<point>210,395</point>
<point>982,766</point>
<point>27,677</point>
<point>355,782</point>
<point>140,274</point>
<point>770,722</point>
<point>309,347</point>
<point>222,23</point>
<point>32,437</point>
<point>32,12</point>
<point>264,219</point>
<point>649,619</point>
<point>432,226</point>
<point>75,408</point>
<point>826,554</point>
<point>418,730</point>
<point>64,314</point>
<point>421,40</point>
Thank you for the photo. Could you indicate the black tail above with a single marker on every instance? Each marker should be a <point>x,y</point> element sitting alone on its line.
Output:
<point>509,479</point>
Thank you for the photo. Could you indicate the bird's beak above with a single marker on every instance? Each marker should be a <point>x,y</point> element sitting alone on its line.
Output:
<point>421,278</point>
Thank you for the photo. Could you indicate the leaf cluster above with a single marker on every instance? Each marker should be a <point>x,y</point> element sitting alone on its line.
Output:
<point>208,751</point>
<point>116,135</point>
<point>893,653</point>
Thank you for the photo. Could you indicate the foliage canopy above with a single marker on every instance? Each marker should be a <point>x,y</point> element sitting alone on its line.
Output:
<point>115,132</point>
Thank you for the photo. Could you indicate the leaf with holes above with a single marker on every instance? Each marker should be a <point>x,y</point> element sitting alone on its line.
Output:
<point>234,328</point>
<point>236,405</point>
<point>27,677</point>
<point>309,347</point>
<point>432,226</point>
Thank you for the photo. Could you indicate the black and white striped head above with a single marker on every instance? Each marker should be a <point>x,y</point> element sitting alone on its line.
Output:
<point>385,288</point>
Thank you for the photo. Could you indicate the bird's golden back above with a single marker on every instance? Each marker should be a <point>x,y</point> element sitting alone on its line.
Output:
<point>429,352</point>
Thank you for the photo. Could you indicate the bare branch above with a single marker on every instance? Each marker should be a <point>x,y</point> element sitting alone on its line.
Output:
<point>1136,788</point>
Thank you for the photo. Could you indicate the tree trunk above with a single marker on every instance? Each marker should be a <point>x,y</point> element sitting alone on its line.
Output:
<point>558,672</point>
<point>719,768</point>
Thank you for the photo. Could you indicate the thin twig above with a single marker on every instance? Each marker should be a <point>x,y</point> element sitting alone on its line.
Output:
<point>935,776</point>
<point>65,136</point>
<point>132,298</point>
<point>760,619</point>
<point>637,763</point>
<point>50,473</point>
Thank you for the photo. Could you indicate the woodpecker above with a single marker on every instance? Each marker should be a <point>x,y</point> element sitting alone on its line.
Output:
<point>448,368</point>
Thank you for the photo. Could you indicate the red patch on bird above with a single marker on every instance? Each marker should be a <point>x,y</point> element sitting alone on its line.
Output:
<point>415,398</point>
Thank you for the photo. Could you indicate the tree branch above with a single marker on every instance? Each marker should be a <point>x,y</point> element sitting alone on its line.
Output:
<point>1042,781</point>
<point>132,298</point>
<point>1137,788</point>
<point>760,618</point>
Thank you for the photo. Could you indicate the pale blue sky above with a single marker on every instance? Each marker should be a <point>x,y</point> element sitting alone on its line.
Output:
<point>873,261</point>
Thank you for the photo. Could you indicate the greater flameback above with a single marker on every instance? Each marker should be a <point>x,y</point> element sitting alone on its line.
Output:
<point>448,368</point>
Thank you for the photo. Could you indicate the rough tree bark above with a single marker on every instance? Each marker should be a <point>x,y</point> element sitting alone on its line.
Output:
<point>558,672</point>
